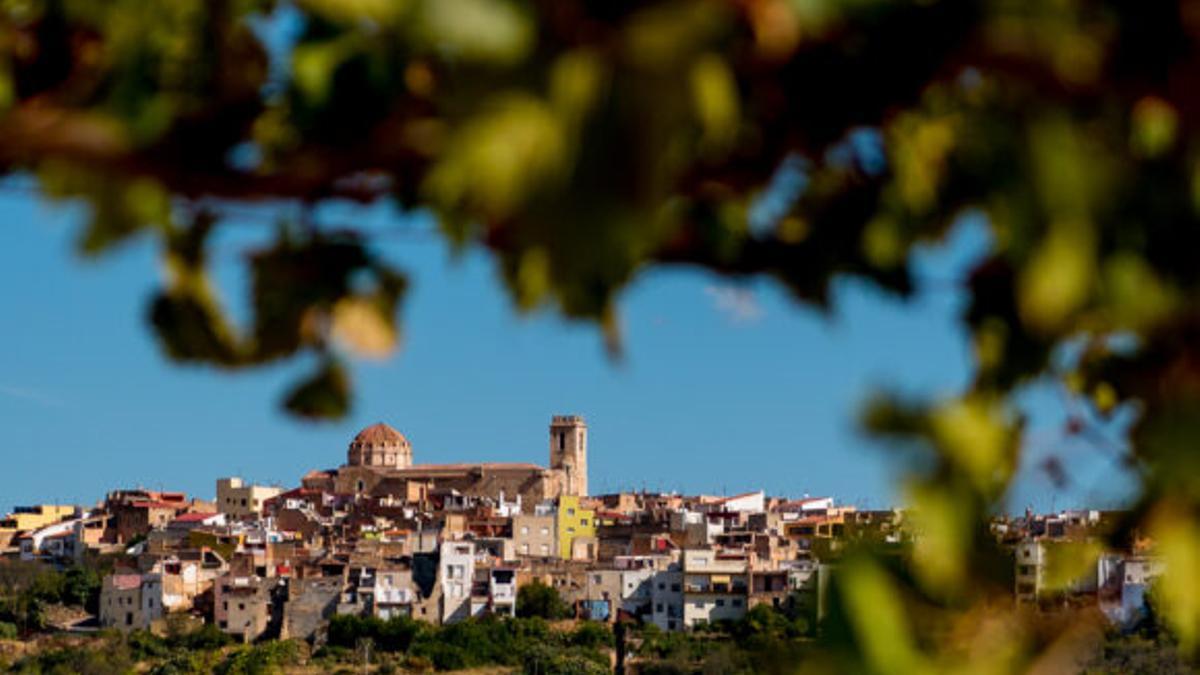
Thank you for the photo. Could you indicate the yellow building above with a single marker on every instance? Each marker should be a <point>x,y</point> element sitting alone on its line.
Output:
<point>574,522</point>
<point>25,518</point>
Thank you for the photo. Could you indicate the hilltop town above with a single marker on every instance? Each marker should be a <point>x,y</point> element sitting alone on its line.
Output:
<point>381,536</point>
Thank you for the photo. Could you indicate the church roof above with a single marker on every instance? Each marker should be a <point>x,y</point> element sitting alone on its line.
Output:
<point>465,467</point>
<point>380,433</point>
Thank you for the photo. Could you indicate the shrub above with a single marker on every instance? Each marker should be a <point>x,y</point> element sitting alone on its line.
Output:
<point>393,635</point>
<point>8,631</point>
<point>145,645</point>
<point>418,664</point>
<point>206,637</point>
<point>538,599</point>
<point>592,634</point>
<point>261,659</point>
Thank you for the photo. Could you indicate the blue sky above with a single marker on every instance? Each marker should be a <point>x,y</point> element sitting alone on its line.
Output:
<point>724,387</point>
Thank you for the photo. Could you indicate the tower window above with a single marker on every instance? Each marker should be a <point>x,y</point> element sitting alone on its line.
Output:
<point>562,440</point>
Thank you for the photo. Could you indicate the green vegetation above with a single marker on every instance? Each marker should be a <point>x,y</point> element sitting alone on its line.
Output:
<point>539,600</point>
<point>528,643</point>
<point>194,653</point>
<point>27,587</point>
<point>766,640</point>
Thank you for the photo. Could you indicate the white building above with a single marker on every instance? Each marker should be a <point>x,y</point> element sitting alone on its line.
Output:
<point>666,599</point>
<point>394,594</point>
<point>456,572</point>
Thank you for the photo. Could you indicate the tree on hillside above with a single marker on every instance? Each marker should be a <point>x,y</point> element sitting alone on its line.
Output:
<point>539,600</point>
<point>582,142</point>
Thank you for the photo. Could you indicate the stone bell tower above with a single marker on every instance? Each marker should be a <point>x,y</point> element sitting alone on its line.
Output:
<point>568,452</point>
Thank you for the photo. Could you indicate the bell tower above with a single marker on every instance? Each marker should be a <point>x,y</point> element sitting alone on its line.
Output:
<point>568,452</point>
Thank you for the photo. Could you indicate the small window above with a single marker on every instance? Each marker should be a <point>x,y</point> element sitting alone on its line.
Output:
<point>737,602</point>
<point>720,602</point>
<point>583,522</point>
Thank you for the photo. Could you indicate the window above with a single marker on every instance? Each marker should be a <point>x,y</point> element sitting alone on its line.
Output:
<point>675,587</point>
<point>241,606</point>
<point>151,602</point>
<point>570,530</point>
<point>658,608</point>
<point>720,602</point>
<point>243,502</point>
<point>737,602</point>
<point>562,440</point>
<point>662,586</point>
<point>670,625</point>
<point>583,522</point>
<point>524,549</point>
<point>545,531</point>
<point>596,578</point>
<point>545,549</point>
<point>699,604</point>
<point>524,529</point>
<point>570,512</point>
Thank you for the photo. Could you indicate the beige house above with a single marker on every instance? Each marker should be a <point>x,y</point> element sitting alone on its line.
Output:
<point>715,586</point>
<point>242,606</point>
<point>131,601</point>
<point>534,536</point>
<point>238,500</point>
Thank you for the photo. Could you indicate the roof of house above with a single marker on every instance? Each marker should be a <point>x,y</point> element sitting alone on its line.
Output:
<point>194,517</point>
<point>126,582</point>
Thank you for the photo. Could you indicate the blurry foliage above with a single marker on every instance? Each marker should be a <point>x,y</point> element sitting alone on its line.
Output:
<point>582,142</point>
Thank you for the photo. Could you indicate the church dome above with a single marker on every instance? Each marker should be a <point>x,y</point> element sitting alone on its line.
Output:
<point>380,446</point>
<point>380,433</point>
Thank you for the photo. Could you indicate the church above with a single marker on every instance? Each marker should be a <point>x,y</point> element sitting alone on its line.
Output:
<point>379,463</point>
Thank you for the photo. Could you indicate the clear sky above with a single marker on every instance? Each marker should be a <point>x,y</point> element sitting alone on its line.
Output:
<point>725,387</point>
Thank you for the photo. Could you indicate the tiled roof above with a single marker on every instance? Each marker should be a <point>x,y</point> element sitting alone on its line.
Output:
<point>380,433</point>
<point>194,517</point>
<point>469,466</point>
<point>127,582</point>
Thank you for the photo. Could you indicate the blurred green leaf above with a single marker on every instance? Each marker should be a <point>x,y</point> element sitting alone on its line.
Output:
<point>324,395</point>
<point>495,32</point>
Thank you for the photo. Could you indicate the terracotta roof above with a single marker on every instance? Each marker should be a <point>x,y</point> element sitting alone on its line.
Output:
<point>193,517</point>
<point>127,582</point>
<point>469,466</point>
<point>380,433</point>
